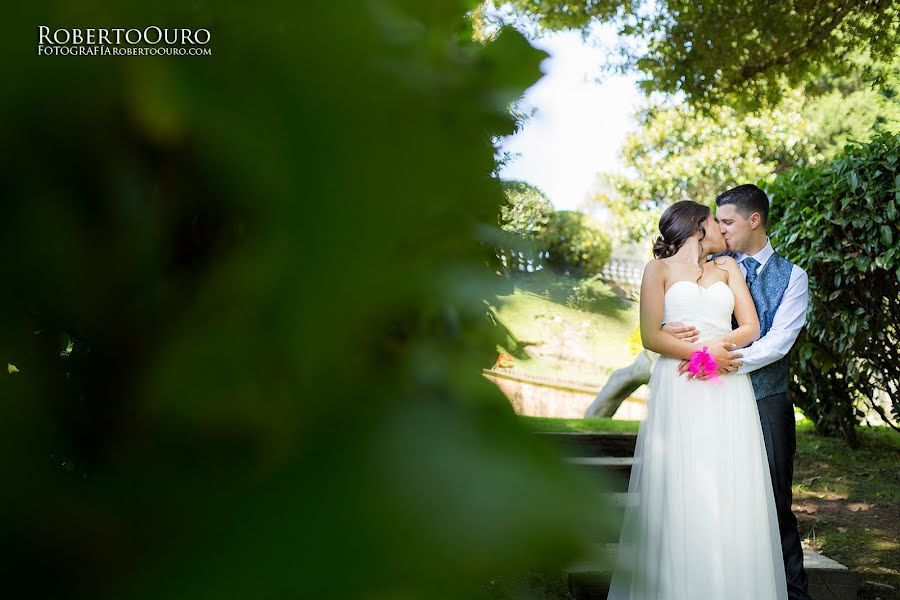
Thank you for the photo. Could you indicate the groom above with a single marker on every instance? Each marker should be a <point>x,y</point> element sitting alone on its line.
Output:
<point>780,292</point>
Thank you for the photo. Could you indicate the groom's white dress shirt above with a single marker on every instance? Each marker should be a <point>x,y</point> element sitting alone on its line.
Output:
<point>789,317</point>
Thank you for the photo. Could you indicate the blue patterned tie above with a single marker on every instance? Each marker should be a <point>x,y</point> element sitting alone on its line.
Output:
<point>750,264</point>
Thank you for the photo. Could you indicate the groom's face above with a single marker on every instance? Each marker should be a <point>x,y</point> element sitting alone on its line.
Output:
<point>735,227</point>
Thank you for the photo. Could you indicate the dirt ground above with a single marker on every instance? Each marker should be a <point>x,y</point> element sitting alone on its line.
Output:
<point>847,503</point>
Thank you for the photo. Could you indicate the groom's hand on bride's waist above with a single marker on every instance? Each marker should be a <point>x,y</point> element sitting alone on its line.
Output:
<point>681,331</point>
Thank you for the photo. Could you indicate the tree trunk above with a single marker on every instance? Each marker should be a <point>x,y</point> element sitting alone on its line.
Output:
<point>622,384</point>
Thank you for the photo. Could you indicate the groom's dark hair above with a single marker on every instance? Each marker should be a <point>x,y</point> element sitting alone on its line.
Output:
<point>748,199</point>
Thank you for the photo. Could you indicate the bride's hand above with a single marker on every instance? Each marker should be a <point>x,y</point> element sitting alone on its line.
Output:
<point>683,368</point>
<point>721,371</point>
<point>703,375</point>
<point>722,351</point>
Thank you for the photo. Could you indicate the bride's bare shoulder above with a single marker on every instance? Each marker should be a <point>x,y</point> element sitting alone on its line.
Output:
<point>655,273</point>
<point>655,267</point>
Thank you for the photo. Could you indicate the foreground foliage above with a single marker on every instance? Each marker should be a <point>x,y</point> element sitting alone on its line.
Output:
<point>244,302</point>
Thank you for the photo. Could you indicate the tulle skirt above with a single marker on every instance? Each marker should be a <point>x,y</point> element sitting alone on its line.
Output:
<point>700,520</point>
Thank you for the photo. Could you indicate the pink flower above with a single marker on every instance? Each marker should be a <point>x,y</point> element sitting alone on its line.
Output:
<point>701,359</point>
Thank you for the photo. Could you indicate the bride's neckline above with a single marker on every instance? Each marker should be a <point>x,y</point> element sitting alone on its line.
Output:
<point>695,283</point>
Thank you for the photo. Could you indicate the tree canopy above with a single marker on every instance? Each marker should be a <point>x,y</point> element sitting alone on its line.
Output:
<point>744,53</point>
<point>681,153</point>
<point>527,211</point>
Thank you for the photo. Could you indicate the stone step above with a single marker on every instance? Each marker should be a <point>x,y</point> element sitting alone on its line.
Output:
<point>612,471</point>
<point>828,579</point>
<point>591,444</point>
<point>617,499</point>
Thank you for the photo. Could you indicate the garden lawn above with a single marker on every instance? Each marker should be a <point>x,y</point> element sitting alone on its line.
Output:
<point>572,343</point>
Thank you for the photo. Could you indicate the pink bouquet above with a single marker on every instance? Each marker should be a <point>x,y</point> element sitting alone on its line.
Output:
<point>701,359</point>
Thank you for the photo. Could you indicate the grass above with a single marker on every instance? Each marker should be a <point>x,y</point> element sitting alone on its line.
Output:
<point>567,341</point>
<point>580,425</point>
<point>847,501</point>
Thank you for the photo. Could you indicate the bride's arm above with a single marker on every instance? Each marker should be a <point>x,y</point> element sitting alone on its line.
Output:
<point>653,337</point>
<point>744,308</point>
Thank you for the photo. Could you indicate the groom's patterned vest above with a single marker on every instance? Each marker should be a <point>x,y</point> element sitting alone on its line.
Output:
<point>767,292</point>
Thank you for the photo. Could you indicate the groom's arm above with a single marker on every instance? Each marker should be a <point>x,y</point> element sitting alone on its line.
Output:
<point>789,320</point>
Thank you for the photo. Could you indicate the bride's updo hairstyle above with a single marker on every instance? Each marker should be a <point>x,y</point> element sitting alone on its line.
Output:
<point>677,224</point>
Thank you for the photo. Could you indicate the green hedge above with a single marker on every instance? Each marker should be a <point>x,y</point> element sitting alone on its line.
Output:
<point>839,221</point>
<point>576,243</point>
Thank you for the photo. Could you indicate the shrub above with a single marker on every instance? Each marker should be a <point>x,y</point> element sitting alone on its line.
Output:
<point>576,243</point>
<point>839,221</point>
<point>590,294</point>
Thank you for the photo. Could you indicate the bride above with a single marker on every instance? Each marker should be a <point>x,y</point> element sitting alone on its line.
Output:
<point>700,521</point>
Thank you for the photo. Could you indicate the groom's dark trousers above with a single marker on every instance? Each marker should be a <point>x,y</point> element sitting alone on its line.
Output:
<point>776,415</point>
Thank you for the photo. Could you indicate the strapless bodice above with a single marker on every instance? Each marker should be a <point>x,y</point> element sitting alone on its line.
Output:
<point>707,309</point>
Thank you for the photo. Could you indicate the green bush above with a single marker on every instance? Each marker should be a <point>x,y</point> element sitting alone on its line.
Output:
<point>839,221</point>
<point>576,243</point>
<point>590,294</point>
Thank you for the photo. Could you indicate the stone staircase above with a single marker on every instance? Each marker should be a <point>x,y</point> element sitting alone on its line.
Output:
<point>609,457</point>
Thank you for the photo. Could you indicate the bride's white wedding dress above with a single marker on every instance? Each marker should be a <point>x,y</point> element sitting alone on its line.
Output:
<point>700,520</point>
